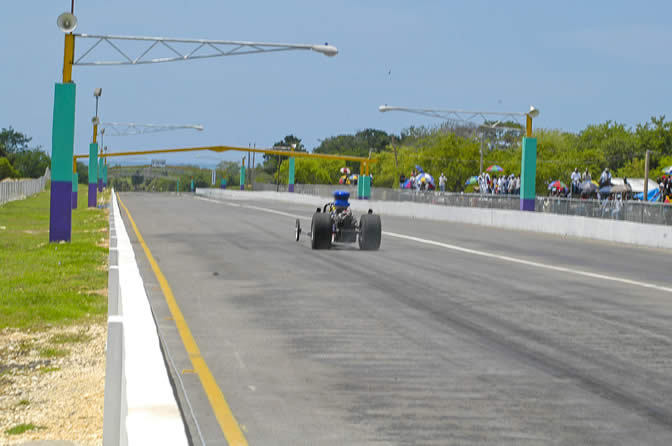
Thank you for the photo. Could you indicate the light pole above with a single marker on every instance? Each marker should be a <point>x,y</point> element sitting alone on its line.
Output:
<point>93,155</point>
<point>529,156</point>
<point>63,130</point>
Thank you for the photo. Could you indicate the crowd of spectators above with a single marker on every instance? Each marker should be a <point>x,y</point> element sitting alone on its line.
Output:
<point>499,185</point>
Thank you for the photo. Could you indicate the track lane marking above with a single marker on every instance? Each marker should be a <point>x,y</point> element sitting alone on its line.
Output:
<point>227,422</point>
<point>482,253</point>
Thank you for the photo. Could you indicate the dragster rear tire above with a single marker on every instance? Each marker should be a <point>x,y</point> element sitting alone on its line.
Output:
<point>320,231</point>
<point>370,232</point>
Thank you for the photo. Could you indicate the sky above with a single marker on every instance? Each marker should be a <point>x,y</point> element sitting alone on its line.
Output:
<point>578,62</point>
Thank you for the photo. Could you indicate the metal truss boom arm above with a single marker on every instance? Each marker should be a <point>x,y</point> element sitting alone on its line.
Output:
<point>189,49</point>
<point>131,128</point>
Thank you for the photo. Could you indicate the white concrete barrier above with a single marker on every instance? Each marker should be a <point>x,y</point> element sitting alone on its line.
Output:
<point>656,236</point>
<point>149,411</point>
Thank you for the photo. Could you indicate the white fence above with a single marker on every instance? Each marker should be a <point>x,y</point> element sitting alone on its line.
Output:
<point>11,190</point>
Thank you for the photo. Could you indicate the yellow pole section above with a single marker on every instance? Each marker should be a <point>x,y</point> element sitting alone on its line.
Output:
<point>74,164</point>
<point>243,149</point>
<point>95,135</point>
<point>68,57</point>
<point>528,127</point>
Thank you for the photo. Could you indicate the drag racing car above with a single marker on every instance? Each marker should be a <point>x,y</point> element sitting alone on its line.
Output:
<point>335,223</point>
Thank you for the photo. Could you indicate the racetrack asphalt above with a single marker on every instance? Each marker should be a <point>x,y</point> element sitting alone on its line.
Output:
<point>416,343</point>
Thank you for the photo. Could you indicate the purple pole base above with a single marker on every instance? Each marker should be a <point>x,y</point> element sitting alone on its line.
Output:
<point>100,185</point>
<point>74,200</point>
<point>223,186</point>
<point>93,196</point>
<point>242,187</point>
<point>527,204</point>
<point>290,188</point>
<point>60,214</point>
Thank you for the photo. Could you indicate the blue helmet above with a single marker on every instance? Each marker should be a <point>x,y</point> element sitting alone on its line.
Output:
<point>341,198</point>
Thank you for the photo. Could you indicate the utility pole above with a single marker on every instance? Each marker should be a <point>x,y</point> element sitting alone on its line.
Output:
<point>646,176</point>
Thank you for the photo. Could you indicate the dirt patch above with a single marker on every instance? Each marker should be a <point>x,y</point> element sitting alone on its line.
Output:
<point>62,395</point>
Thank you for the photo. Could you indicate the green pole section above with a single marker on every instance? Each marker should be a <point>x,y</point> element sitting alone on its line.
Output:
<point>360,184</point>
<point>93,174</point>
<point>242,177</point>
<point>192,184</point>
<point>62,144</point>
<point>528,174</point>
<point>177,189</point>
<point>100,174</point>
<point>290,185</point>
<point>365,180</point>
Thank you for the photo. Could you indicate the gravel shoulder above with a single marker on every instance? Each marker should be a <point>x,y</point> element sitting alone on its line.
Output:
<point>52,384</point>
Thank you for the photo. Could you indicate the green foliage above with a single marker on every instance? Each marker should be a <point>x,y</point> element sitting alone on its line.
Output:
<point>271,162</point>
<point>616,143</point>
<point>634,168</point>
<point>312,171</point>
<point>358,144</point>
<point>21,428</point>
<point>7,170</point>
<point>82,173</point>
<point>31,163</point>
<point>12,142</point>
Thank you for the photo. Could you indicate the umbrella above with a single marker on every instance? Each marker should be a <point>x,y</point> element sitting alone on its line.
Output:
<point>419,169</point>
<point>667,170</point>
<point>621,189</point>
<point>495,168</point>
<point>471,180</point>
<point>345,170</point>
<point>426,177</point>
<point>557,185</point>
<point>588,188</point>
<point>343,180</point>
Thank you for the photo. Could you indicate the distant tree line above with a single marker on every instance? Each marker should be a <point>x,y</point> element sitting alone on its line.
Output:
<point>451,148</point>
<point>18,159</point>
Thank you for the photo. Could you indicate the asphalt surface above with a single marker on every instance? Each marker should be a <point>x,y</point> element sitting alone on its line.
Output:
<point>414,344</point>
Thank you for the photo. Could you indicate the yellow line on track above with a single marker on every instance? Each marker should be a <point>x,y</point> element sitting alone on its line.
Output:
<point>227,422</point>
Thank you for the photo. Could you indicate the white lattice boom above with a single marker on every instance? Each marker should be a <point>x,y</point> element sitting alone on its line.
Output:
<point>183,49</point>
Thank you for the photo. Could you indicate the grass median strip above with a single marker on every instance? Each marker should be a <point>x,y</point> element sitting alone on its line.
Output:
<point>51,283</point>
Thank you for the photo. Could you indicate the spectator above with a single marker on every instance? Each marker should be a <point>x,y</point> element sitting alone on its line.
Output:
<point>413,180</point>
<point>576,181</point>
<point>442,182</point>
<point>517,186</point>
<point>402,181</point>
<point>586,176</point>
<point>605,178</point>
<point>661,188</point>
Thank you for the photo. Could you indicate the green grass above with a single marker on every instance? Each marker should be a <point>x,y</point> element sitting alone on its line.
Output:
<point>53,353</point>
<point>70,338</point>
<point>24,402</point>
<point>21,428</point>
<point>50,369</point>
<point>51,283</point>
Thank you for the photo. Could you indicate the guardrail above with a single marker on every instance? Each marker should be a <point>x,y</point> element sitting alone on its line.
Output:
<point>11,190</point>
<point>115,405</point>
<point>628,210</point>
<point>139,404</point>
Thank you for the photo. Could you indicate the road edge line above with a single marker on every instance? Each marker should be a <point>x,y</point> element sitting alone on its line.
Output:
<point>227,422</point>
